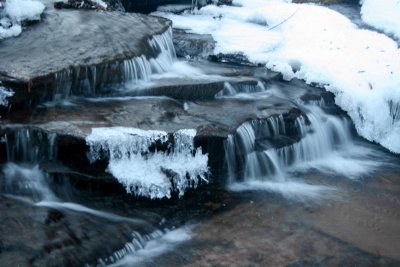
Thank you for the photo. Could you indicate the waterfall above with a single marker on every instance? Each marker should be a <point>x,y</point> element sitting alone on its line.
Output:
<point>232,89</point>
<point>27,145</point>
<point>268,154</point>
<point>145,171</point>
<point>26,148</point>
<point>95,80</point>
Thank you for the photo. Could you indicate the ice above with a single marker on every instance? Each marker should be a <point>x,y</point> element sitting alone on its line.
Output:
<point>318,45</point>
<point>382,15</point>
<point>15,12</point>
<point>143,172</point>
<point>4,92</point>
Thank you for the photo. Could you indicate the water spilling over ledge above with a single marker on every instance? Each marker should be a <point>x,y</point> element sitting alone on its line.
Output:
<point>52,61</point>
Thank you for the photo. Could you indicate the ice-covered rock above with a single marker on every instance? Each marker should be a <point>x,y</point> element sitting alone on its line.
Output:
<point>150,174</point>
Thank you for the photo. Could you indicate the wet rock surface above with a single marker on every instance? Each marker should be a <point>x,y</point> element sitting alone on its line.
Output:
<point>358,228</point>
<point>74,40</point>
<point>193,45</point>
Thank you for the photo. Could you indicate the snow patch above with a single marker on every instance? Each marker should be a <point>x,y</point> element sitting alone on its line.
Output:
<point>153,174</point>
<point>15,12</point>
<point>384,16</point>
<point>315,44</point>
<point>21,10</point>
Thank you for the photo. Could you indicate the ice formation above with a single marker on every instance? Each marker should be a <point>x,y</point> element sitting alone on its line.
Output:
<point>318,45</point>
<point>4,94</point>
<point>382,15</point>
<point>15,12</point>
<point>153,174</point>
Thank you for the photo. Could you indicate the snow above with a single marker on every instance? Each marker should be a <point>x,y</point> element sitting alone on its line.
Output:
<point>382,15</point>
<point>101,3</point>
<point>15,12</point>
<point>20,10</point>
<point>149,174</point>
<point>317,45</point>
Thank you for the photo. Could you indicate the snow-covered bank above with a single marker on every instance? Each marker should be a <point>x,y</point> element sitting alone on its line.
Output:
<point>318,45</point>
<point>383,15</point>
<point>15,12</point>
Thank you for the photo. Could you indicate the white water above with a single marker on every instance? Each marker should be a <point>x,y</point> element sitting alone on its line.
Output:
<point>129,72</point>
<point>240,90</point>
<point>150,174</point>
<point>27,181</point>
<point>146,248</point>
<point>326,145</point>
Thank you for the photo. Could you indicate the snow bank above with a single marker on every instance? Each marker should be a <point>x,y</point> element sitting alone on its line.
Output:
<point>20,10</point>
<point>383,15</point>
<point>15,12</point>
<point>318,45</point>
<point>149,174</point>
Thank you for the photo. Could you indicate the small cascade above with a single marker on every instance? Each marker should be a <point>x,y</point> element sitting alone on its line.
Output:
<point>232,89</point>
<point>146,246</point>
<point>95,80</point>
<point>27,145</point>
<point>26,148</point>
<point>264,149</point>
<point>147,163</point>
<point>27,181</point>
<point>138,243</point>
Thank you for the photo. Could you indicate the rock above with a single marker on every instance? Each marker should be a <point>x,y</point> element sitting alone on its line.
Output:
<point>190,45</point>
<point>83,46</point>
<point>151,5</point>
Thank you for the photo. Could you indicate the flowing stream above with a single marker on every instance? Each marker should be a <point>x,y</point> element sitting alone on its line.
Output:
<point>162,191</point>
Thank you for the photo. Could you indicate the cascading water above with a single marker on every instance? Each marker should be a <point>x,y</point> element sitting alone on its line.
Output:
<point>239,88</point>
<point>95,80</point>
<point>145,173</point>
<point>26,148</point>
<point>264,155</point>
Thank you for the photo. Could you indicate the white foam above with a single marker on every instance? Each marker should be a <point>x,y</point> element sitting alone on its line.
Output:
<point>318,45</point>
<point>382,15</point>
<point>153,175</point>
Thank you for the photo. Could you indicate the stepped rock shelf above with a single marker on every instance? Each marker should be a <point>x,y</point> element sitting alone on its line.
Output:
<point>86,46</point>
<point>96,125</point>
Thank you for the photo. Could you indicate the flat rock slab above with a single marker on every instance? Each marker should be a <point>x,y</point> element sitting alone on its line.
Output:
<point>214,118</point>
<point>71,38</point>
